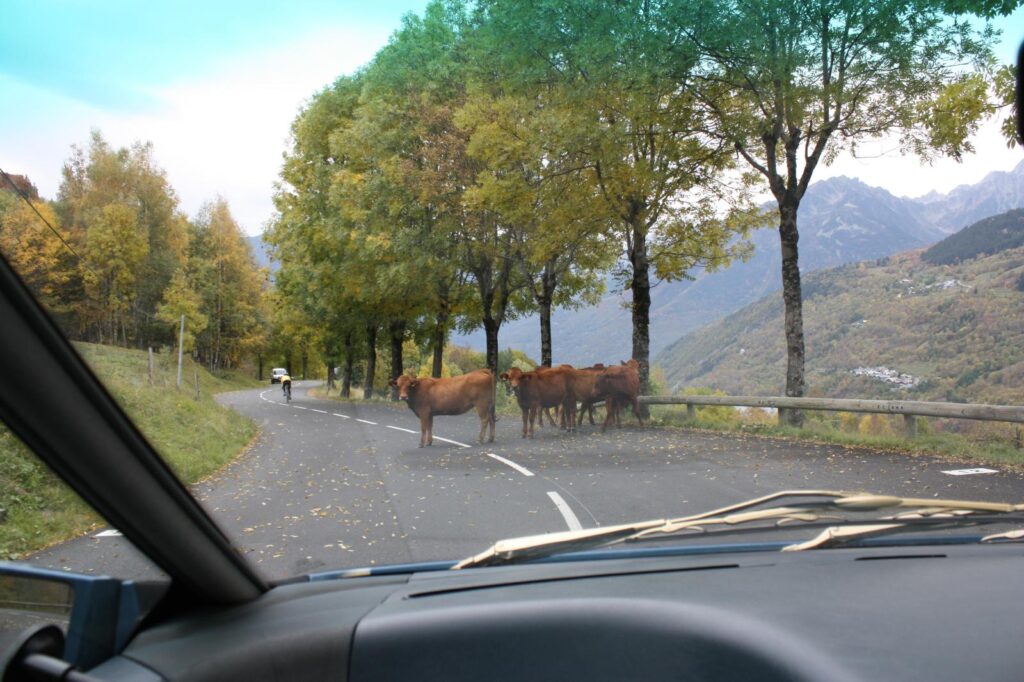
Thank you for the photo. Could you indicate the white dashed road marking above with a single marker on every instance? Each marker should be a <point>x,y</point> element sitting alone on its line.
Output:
<point>518,467</point>
<point>453,442</point>
<point>108,534</point>
<point>343,416</point>
<point>398,428</point>
<point>320,411</point>
<point>567,513</point>
<point>299,407</point>
<point>366,421</point>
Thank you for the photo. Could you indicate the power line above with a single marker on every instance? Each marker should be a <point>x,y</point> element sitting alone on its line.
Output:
<point>36,210</point>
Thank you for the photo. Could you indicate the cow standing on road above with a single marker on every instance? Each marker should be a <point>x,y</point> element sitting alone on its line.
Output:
<point>585,388</point>
<point>543,388</point>
<point>428,397</point>
<point>620,385</point>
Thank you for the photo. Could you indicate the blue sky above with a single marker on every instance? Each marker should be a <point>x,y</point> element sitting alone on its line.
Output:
<point>215,86</point>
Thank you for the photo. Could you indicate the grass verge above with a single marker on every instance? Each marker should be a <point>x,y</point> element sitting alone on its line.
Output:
<point>195,436</point>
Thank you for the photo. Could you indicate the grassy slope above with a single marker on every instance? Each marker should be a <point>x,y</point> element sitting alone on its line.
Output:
<point>195,437</point>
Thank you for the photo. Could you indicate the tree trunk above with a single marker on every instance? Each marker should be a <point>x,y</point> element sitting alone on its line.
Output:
<point>640,287</point>
<point>371,360</point>
<point>305,362</point>
<point>346,370</point>
<point>793,299</point>
<point>440,336</point>
<point>544,308</point>
<point>260,371</point>
<point>491,327</point>
<point>396,334</point>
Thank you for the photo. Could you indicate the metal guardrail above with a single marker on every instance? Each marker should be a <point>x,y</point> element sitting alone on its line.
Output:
<point>908,408</point>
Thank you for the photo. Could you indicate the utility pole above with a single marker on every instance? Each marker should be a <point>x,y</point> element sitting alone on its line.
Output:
<point>181,346</point>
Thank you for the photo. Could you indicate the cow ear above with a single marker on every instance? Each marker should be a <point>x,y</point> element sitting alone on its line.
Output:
<point>414,383</point>
<point>504,376</point>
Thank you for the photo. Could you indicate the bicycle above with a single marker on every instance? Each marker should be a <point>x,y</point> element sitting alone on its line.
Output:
<point>286,387</point>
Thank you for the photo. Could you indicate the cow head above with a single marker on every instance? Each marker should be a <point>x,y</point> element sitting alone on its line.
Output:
<point>512,379</point>
<point>406,386</point>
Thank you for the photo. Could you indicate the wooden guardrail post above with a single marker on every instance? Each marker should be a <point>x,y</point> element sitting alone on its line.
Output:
<point>691,411</point>
<point>910,425</point>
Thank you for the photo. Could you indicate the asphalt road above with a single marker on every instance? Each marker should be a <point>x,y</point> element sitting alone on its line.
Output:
<point>331,484</point>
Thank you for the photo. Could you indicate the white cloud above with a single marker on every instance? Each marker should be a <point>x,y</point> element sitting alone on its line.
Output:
<point>221,134</point>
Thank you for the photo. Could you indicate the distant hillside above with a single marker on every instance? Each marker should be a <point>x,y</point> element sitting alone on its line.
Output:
<point>842,220</point>
<point>991,235</point>
<point>895,327</point>
<point>259,252</point>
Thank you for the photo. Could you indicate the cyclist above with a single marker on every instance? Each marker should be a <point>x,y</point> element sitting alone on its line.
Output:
<point>286,386</point>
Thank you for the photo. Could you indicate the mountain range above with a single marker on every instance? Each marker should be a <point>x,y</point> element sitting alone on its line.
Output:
<point>842,220</point>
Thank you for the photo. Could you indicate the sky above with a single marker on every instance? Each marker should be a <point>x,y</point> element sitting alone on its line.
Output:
<point>215,86</point>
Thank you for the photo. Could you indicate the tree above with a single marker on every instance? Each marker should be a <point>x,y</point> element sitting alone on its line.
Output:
<point>39,256</point>
<point>789,85</point>
<point>562,238</point>
<point>101,177</point>
<point>230,283</point>
<point>633,134</point>
<point>115,250</point>
<point>179,299</point>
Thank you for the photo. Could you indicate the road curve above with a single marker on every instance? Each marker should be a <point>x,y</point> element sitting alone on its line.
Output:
<point>333,484</point>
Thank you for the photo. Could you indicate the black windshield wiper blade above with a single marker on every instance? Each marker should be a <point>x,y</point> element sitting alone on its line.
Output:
<point>804,506</point>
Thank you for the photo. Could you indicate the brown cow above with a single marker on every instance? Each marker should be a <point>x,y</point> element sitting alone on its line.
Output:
<point>542,388</point>
<point>620,385</point>
<point>428,397</point>
<point>585,388</point>
<point>506,377</point>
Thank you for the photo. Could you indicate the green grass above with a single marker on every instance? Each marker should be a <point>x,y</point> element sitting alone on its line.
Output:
<point>196,437</point>
<point>981,442</point>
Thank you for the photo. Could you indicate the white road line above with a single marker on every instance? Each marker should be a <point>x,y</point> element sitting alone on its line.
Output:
<point>518,467</point>
<point>320,411</point>
<point>969,472</point>
<point>343,416</point>
<point>366,421</point>
<point>453,442</point>
<point>398,428</point>
<point>567,513</point>
<point>299,407</point>
<point>108,534</point>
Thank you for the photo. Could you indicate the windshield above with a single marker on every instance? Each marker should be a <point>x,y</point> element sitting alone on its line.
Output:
<point>530,267</point>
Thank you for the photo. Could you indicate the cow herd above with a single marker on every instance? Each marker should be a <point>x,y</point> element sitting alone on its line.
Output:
<point>571,392</point>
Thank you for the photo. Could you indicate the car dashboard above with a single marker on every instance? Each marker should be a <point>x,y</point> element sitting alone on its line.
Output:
<point>942,612</point>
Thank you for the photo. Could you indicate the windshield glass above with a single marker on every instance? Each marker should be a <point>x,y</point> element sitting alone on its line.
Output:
<point>525,267</point>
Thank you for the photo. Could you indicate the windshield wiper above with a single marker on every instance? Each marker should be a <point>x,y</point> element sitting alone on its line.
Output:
<point>815,510</point>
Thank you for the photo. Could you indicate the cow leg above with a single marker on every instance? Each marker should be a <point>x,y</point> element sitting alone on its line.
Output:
<point>609,407</point>
<point>484,413</point>
<point>430,430</point>
<point>491,419</point>
<point>424,429</point>
<point>526,420</point>
<point>590,411</point>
